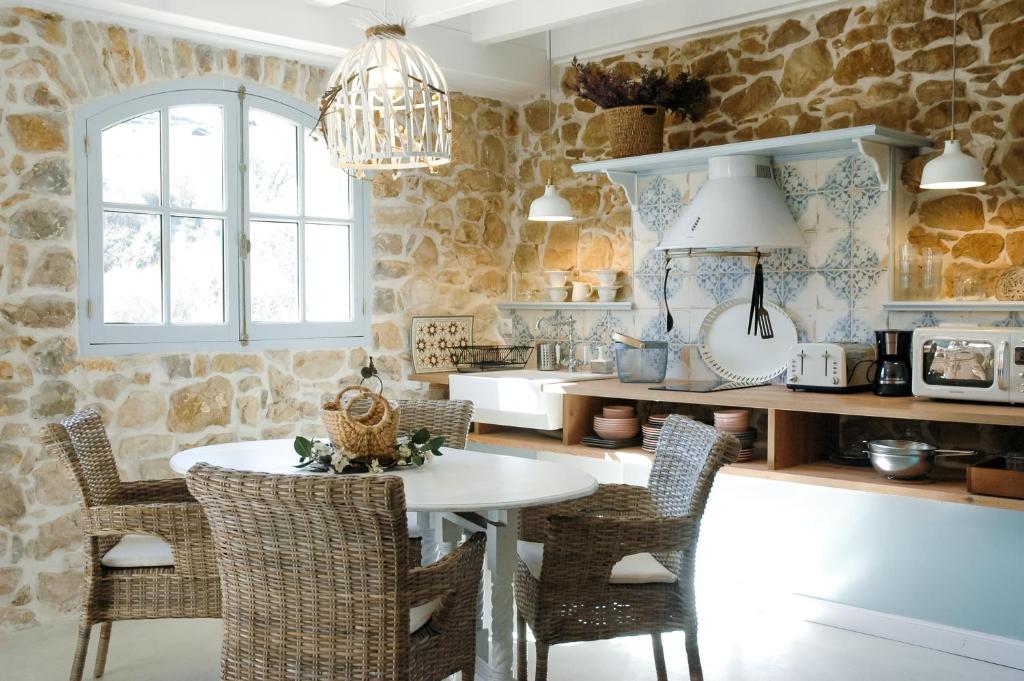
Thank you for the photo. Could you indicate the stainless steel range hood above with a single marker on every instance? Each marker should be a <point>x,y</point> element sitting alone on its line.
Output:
<point>739,209</point>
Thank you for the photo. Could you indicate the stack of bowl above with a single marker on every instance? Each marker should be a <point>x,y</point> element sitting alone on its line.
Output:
<point>617,422</point>
<point>652,431</point>
<point>737,422</point>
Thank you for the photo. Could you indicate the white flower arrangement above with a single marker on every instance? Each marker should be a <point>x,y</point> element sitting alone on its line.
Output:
<point>321,456</point>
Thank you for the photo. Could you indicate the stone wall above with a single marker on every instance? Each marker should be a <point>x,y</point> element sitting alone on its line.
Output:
<point>887,63</point>
<point>440,244</point>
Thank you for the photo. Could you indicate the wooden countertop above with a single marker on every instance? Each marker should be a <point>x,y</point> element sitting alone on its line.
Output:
<point>780,397</point>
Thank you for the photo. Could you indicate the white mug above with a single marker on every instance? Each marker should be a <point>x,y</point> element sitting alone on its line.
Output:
<point>606,277</point>
<point>581,291</point>
<point>556,277</point>
<point>556,294</point>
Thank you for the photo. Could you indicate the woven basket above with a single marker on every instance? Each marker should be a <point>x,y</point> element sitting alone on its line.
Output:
<point>636,130</point>
<point>368,433</point>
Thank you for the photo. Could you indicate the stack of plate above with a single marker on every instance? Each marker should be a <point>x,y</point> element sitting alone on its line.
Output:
<point>652,431</point>
<point>737,422</point>
<point>618,422</point>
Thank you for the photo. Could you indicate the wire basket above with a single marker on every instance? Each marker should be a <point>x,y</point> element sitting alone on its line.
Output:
<point>473,358</point>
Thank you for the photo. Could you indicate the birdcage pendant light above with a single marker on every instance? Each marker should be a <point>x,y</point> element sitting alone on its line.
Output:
<point>387,106</point>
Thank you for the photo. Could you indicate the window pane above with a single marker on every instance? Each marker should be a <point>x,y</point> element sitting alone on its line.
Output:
<point>327,273</point>
<point>132,292</point>
<point>131,161</point>
<point>275,271</point>
<point>196,141</point>
<point>326,186</point>
<point>273,183</point>
<point>197,271</point>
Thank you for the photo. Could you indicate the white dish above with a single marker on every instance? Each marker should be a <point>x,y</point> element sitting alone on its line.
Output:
<point>556,277</point>
<point>606,277</point>
<point>607,294</point>
<point>728,351</point>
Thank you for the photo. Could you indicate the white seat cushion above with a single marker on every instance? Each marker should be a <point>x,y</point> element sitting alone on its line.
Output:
<point>638,568</point>
<point>139,550</point>
<point>421,614</point>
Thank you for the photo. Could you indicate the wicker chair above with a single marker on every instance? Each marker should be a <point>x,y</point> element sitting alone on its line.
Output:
<point>573,587</point>
<point>450,418</point>
<point>182,582</point>
<point>317,584</point>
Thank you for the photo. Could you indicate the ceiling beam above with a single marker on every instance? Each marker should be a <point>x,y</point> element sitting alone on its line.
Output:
<point>427,12</point>
<point>668,20</point>
<point>510,21</point>
<point>510,71</point>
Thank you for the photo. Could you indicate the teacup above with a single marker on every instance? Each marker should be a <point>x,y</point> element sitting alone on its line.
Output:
<point>557,294</point>
<point>606,277</point>
<point>581,291</point>
<point>606,294</point>
<point>556,277</point>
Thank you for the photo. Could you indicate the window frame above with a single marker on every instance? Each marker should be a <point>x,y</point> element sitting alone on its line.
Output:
<point>238,330</point>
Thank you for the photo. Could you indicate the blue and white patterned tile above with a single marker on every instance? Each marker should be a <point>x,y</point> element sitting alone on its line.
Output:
<point>851,252</point>
<point>797,177</point>
<point>654,329</point>
<point>785,287</point>
<point>786,260</point>
<point>849,171</point>
<point>873,230</point>
<point>850,328</point>
<point>649,279</point>
<point>826,246</point>
<point>852,286</point>
<point>601,326</point>
<point>722,278</point>
<point>852,204</point>
<point>660,205</point>
<point>1014,320</point>
<point>521,334</point>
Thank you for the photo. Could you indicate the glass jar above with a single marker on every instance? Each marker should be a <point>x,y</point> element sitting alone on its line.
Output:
<point>931,274</point>
<point>908,266</point>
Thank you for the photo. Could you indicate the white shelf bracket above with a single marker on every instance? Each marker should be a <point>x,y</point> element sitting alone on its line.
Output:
<point>628,182</point>
<point>878,154</point>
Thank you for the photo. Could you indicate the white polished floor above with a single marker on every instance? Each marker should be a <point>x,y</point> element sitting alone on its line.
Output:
<point>753,647</point>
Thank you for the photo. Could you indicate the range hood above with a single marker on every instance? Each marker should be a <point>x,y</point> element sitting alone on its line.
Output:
<point>739,209</point>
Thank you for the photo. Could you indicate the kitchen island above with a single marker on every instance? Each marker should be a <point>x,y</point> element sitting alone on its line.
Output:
<point>801,428</point>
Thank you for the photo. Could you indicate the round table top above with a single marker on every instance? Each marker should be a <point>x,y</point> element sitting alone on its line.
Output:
<point>460,480</point>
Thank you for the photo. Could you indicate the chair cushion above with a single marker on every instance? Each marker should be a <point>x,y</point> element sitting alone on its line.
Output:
<point>138,550</point>
<point>421,614</point>
<point>638,568</point>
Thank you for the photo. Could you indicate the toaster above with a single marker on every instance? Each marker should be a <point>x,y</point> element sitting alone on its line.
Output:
<point>830,367</point>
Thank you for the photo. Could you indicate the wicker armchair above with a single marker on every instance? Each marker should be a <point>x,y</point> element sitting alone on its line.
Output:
<point>577,587</point>
<point>317,584</point>
<point>184,584</point>
<point>450,418</point>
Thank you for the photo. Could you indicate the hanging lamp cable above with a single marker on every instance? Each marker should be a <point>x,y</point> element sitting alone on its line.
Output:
<point>952,99</point>
<point>551,118</point>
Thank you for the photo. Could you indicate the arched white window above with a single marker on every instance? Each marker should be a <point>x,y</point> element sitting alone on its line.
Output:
<point>211,217</point>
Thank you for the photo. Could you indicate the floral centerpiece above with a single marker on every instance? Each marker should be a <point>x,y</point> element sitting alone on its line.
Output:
<point>414,450</point>
<point>635,106</point>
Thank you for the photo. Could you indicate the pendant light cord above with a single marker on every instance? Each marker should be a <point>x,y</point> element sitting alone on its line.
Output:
<point>551,122</point>
<point>952,99</point>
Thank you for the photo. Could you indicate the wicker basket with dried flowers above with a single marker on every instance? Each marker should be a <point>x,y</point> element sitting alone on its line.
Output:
<point>635,106</point>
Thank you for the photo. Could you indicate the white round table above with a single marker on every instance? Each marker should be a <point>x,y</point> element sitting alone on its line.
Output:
<point>491,485</point>
<point>458,481</point>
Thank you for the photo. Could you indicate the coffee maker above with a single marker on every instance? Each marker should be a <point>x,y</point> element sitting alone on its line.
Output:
<point>892,369</point>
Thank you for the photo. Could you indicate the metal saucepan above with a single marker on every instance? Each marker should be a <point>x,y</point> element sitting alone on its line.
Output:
<point>906,459</point>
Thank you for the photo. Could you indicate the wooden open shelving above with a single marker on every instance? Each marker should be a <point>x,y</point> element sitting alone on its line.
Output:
<point>802,427</point>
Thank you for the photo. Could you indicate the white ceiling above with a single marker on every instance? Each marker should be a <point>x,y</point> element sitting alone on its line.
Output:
<point>496,48</point>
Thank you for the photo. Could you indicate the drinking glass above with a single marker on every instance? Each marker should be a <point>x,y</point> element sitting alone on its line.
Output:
<point>931,274</point>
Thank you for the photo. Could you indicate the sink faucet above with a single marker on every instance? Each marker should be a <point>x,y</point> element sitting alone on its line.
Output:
<point>571,364</point>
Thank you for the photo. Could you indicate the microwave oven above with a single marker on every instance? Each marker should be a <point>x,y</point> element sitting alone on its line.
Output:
<point>969,363</point>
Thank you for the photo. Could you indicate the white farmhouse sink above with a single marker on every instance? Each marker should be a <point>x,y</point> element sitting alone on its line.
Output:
<point>525,397</point>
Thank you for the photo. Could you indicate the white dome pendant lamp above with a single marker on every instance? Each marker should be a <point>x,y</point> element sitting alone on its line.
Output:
<point>550,207</point>
<point>387,105</point>
<point>953,169</point>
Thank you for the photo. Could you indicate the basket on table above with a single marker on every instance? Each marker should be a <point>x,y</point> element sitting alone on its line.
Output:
<point>363,424</point>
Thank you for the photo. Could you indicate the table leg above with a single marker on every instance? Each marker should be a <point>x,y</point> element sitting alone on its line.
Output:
<point>447,534</point>
<point>501,562</point>
<point>428,539</point>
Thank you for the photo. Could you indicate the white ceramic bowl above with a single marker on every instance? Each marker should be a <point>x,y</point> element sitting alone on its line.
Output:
<point>607,294</point>
<point>606,277</point>
<point>557,294</point>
